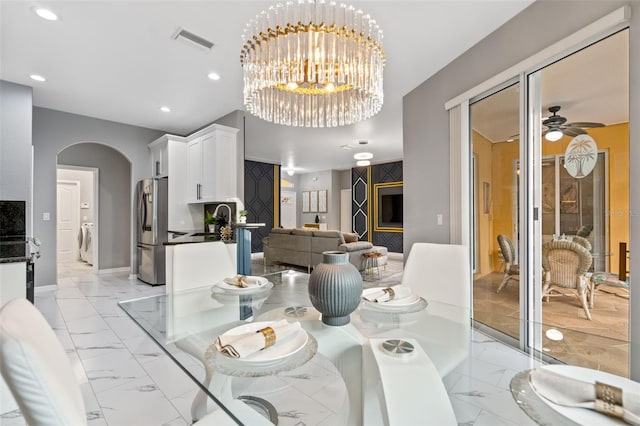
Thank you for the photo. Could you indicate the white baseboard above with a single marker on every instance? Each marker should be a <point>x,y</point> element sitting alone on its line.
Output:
<point>112,270</point>
<point>43,288</point>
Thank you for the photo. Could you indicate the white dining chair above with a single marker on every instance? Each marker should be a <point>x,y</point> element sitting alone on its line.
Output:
<point>439,272</point>
<point>37,369</point>
<point>38,372</point>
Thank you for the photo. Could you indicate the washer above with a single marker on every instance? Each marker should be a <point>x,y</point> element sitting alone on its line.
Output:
<point>82,236</point>
<point>88,243</point>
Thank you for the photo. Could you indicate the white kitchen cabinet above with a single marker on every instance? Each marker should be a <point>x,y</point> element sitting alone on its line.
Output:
<point>211,164</point>
<point>169,159</point>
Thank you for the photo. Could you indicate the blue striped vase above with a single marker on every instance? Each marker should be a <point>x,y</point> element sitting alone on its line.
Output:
<point>335,287</point>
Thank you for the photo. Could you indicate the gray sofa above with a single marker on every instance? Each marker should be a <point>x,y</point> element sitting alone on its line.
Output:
<point>304,246</point>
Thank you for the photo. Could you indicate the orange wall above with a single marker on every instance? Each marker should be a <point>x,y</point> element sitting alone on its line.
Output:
<point>495,163</point>
<point>614,139</point>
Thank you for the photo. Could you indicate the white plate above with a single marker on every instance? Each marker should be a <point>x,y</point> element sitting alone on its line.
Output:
<point>397,304</point>
<point>280,350</point>
<point>585,416</point>
<point>235,289</point>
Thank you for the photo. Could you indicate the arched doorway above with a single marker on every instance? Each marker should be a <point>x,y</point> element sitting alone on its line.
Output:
<point>100,213</point>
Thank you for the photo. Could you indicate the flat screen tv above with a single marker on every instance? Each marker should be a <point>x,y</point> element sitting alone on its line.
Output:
<point>389,207</point>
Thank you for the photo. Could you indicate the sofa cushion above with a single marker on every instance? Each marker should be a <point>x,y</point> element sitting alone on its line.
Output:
<point>350,237</point>
<point>360,245</point>
<point>303,232</point>
<point>330,234</point>
<point>281,230</point>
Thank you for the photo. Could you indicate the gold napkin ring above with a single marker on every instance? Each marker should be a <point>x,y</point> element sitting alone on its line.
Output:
<point>390,292</point>
<point>609,400</point>
<point>269,336</point>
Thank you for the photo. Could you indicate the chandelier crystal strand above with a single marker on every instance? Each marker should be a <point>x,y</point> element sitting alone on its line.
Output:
<point>313,63</point>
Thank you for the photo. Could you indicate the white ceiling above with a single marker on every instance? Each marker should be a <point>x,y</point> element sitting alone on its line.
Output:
<point>590,85</point>
<point>116,60</point>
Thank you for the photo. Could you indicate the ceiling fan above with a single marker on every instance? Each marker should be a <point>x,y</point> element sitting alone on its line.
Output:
<point>557,126</point>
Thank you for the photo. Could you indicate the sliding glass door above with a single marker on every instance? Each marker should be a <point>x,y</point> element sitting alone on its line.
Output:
<point>549,161</point>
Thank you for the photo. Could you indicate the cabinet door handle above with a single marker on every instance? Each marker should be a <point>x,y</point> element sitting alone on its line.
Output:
<point>198,191</point>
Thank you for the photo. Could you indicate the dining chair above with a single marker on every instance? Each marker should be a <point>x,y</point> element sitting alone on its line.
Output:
<point>37,369</point>
<point>511,269</point>
<point>439,272</point>
<point>564,264</point>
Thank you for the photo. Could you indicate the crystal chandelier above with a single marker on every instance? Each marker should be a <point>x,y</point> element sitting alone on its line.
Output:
<point>311,63</point>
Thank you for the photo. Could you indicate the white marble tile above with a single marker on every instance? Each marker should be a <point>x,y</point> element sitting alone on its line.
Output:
<point>124,327</point>
<point>171,380</point>
<point>113,369</point>
<point>481,370</point>
<point>143,348</point>
<point>137,403</point>
<point>97,344</point>
<point>489,419</point>
<point>94,412</point>
<point>87,325</point>
<point>74,309</point>
<point>69,293</point>
<point>466,414</point>
<point>106,306</point>
<point>490,398</point>
<point>183,402</point>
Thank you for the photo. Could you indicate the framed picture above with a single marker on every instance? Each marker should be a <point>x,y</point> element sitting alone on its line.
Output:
<point>322,201</point>
<point>313,202</point>
<point>305,202</point>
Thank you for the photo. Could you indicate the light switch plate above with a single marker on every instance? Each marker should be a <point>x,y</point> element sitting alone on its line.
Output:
<point>46,216</point>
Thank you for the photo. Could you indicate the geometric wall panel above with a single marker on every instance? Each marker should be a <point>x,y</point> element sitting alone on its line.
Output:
<point>258,199</point>
<point>360,203</point>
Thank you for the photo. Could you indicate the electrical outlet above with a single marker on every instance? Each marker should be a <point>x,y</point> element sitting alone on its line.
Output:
<point>46,216</point>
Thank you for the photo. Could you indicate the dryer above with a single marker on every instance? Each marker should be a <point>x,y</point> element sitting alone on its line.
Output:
<point>82,237</point>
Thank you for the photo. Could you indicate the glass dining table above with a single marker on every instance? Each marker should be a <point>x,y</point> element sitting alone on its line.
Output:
<point>384,367</point>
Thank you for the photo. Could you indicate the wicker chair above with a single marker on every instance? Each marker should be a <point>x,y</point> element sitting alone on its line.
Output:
<point>564,264</point>
<point>511,269</point>
<point>582,241</point>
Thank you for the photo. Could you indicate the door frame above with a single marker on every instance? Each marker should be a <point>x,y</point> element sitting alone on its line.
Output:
<point>95,235</point>
<point>530,126</point>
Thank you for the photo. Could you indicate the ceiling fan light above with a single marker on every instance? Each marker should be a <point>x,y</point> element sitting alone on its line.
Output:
<point>553,135</point>
<point>362,156</point>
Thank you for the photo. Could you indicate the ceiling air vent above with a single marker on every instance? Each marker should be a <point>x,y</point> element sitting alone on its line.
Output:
<point>193,39</point>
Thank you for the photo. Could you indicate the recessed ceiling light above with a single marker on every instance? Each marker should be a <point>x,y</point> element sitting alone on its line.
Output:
<point>363,156</point>
<point>213,76</point>
<point>45,14</point>
<point>165,109</point>
<point>37,77</point>
<point>363,163</point>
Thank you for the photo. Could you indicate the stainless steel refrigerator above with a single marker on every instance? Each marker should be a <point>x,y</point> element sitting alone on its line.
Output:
<point>152,206</point>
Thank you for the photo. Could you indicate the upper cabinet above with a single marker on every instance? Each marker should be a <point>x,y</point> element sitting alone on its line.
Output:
<point>160,154</point>
<point>211,164</point>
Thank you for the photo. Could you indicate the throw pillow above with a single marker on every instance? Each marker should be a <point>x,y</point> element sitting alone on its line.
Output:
<point>350,237</point>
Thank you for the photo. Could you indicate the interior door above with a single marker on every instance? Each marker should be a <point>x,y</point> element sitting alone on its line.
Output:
<point>68,195</point>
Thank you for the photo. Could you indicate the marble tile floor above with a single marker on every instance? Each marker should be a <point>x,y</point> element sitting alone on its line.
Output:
<point>127,380</point>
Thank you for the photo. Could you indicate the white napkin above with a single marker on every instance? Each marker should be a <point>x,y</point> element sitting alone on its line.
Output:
<point>383,295</point>
<point>564,390</point>
<point>243,345</point>
<point>245,281</point>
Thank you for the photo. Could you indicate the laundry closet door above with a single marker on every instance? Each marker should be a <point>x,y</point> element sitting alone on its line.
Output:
<point>68,213</point>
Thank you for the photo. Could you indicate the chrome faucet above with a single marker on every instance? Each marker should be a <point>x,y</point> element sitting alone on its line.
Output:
<point>215,212</point>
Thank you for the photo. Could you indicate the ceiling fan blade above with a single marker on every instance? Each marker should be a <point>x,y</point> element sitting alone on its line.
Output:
<point>573,131</point>
<point>584,124</point>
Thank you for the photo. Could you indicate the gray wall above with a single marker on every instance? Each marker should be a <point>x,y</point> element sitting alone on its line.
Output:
<point>15,145</point>
<point>323,180</point>
<point>52,132</point>
<point>426,122</point>
<point>114,195</point>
